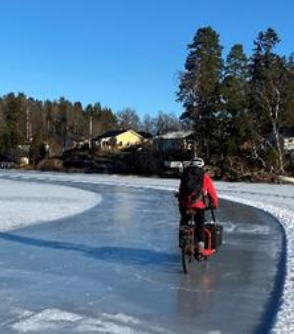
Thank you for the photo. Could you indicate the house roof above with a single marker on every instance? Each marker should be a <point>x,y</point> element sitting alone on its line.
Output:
<point>109,134</point>
<point>176,135</point>
<point>145,135</point>
<point>115,133</point>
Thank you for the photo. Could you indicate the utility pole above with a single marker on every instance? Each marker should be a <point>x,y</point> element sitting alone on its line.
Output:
<point>90,131</point>
<point>28,125</point>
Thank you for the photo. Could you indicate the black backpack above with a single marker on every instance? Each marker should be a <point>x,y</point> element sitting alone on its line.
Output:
<point>192,182</point>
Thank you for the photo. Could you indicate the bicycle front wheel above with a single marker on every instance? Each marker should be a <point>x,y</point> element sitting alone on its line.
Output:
<point>187,256</point>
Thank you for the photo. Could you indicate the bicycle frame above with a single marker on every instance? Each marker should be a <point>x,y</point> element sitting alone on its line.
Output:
<point>190,249</point>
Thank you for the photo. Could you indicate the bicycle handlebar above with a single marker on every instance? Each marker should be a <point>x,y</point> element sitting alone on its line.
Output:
<point>212,214</point>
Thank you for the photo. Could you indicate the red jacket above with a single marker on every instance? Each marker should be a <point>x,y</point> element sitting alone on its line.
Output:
<point>208,190</point>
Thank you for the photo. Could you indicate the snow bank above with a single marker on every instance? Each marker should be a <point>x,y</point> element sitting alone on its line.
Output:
<point>279,203</point>
<point>24,204</point>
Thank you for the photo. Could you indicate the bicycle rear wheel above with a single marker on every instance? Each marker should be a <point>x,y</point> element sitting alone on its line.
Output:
<point>187,256</point>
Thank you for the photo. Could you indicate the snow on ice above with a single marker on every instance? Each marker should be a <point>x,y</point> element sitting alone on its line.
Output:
<point>50,319</point>
<point>24,204</point>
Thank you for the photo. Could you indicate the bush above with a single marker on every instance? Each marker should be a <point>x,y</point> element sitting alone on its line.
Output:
<point>144,162</point>
<point>51,164</point>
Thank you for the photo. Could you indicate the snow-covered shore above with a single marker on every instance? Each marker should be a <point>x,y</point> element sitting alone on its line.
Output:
<point>280,206</point>
<point>278,200</point>
<point>23,204</point>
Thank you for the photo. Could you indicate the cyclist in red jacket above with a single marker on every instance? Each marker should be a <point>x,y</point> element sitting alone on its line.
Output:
<point>196,192</point>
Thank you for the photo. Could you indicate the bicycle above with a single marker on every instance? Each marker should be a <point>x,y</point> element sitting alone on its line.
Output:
<point>190,252</point>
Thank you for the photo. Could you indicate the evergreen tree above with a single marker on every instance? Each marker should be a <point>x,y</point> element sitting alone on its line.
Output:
<point>79,122</point>
<point>13,112</point>
<point>108,119</point>
<point>103,119</point>
<point>235,94</point>
<point>199,88</point>
<point>64,107</point>
<point>49,116</point>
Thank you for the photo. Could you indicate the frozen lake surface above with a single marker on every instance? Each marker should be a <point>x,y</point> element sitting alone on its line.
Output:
<point>115,268</point>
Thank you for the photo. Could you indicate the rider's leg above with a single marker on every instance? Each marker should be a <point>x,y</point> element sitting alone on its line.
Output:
<point>185,217</point>
<point>199,219</point>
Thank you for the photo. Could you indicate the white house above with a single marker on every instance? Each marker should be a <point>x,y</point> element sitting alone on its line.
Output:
<point>173,141</point>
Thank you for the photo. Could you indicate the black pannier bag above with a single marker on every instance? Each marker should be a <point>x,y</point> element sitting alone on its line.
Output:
<point>216,235</point>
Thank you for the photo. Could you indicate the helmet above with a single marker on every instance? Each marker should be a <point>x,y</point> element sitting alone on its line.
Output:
<point>197,162</point>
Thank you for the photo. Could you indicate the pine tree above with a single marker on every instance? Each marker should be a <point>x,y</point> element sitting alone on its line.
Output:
<point>13,112</point>
<point>64,107</point>
<point>199,88</point>
<point>235,94</point>
<point>78,122</point>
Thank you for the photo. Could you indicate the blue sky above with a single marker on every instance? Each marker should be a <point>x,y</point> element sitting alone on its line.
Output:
<point>122,53</point>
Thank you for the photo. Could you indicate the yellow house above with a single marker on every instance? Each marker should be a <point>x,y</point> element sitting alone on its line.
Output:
<point>118,139</point>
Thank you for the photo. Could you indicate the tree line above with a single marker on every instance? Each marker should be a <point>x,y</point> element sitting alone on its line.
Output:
<point>240,106</point>
<point>24,120</point>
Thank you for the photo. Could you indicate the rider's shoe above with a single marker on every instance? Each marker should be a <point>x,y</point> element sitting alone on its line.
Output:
<point>201,246</point>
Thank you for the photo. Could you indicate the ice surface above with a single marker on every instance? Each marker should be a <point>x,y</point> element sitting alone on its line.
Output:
<point>278,200</point>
